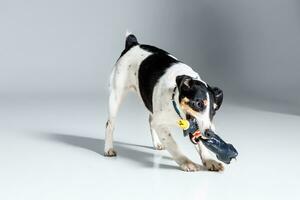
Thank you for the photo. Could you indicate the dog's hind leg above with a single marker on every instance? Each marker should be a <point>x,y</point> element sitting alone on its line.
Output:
<point>155,139</point>
<point>118,90</point>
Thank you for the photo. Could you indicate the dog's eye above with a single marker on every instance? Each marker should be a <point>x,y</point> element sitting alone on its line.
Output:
<point>198,105</point>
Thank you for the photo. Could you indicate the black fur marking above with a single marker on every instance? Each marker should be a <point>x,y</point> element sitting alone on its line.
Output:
<point>216,97</point>
<point>153,49</point>
<point>196,91</point>
<point>151,69</point>
<point>130,42</point>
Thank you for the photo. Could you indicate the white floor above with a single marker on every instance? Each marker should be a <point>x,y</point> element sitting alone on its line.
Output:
<point>53,150</point>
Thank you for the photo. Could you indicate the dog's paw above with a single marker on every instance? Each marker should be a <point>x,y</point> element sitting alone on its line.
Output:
<point>189,166</point>
<point>213,165</point>
<point>110,153</point>
<point>159,147</point>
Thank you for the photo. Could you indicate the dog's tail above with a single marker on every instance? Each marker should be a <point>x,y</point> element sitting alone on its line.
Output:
<point>130,40</point>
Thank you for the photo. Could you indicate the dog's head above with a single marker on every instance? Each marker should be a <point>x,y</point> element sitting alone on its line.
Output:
<point>200,101</point>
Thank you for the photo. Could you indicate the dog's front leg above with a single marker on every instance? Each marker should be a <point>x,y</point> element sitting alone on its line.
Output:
<point>209,160</point>
<point>167,140</point>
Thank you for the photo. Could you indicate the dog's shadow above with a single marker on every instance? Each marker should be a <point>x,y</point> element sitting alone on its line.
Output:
<point>132,152</point>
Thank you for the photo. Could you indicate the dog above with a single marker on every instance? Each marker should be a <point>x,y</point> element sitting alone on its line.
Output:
<point>156,76</point>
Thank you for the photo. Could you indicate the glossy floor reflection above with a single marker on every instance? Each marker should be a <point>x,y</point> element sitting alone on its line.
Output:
<point>54,150</point>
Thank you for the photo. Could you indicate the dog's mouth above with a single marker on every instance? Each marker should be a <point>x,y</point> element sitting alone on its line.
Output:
<point>224,152</point>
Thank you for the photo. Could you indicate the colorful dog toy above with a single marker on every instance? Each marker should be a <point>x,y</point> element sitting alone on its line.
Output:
<point>224,152</point>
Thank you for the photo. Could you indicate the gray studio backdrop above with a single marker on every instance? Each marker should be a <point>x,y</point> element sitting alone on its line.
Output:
<point>250,49</point>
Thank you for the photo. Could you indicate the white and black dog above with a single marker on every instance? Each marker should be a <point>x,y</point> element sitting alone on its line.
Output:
<point>156,76</point>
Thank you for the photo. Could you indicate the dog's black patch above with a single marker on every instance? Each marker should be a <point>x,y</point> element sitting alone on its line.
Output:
<point>153,49</point>
<point>212,111</point>
<point>195,91</point>
<point>151,69</point>
<point>216,97</point>
<point>130,42</point>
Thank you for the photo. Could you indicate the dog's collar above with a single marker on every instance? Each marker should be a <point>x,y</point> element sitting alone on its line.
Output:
<point>174,103</point>
<point>183,123</point>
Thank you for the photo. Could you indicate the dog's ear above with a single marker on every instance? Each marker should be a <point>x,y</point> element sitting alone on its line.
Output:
<point>218,97</point>
<point>184,82</point>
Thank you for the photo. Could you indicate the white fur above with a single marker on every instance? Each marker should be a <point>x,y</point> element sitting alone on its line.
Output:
<point>203,118</point>
<point>124,77</point>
